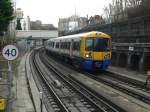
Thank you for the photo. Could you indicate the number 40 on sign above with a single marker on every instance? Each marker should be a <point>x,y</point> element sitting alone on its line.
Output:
<point>10,52</point>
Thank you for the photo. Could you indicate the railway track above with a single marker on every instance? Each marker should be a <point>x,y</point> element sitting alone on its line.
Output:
<point>50,98</point>
<point>90,101</point>
<point>129,86</point>
<point>124,86</point>
<point>133,82</point>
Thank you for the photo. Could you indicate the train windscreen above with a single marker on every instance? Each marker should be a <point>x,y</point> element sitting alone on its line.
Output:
<point>98,44</point>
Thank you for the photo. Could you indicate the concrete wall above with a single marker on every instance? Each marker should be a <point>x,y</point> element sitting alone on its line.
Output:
<point>138,61</point>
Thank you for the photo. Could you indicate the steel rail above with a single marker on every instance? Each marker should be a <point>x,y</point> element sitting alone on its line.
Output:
<point>134,82</point>
<point>80,87</point>
<point>123,88</point>
<point>48,86</point>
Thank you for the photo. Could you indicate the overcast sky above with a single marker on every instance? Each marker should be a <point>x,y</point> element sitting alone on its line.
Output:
<point>49,11</point>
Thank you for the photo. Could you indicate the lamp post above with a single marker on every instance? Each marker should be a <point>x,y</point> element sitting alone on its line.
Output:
<point>41,101</point>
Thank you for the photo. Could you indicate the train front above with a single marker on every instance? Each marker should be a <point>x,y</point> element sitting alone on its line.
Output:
<point>97,53</point>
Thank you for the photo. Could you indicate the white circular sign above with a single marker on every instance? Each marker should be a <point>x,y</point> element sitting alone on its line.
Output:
<point>10,52</point>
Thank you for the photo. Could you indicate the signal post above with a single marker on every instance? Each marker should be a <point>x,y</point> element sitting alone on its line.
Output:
<point>10,53</point>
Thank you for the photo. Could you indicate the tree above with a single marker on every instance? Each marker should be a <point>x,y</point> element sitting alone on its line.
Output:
<point>6,14</point>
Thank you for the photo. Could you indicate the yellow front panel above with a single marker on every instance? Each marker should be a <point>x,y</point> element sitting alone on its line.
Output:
<point>148,73</point>
<point>2,104</point>
<point>97,55</point>
<point>101,55</point>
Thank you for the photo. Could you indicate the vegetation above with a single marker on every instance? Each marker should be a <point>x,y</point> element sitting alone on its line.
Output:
<point>6,15</point>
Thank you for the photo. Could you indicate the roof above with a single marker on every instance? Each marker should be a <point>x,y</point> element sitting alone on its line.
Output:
<point>37,34</point>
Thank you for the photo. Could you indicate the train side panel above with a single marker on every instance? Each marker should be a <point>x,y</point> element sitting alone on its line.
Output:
<point>73,48</point>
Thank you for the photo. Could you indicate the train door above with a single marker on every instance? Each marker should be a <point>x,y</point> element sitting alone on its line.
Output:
<point>59,46</point>
<point>89,48</point>
<point>71,48</point>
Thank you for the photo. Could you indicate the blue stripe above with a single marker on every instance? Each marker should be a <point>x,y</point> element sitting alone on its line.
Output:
<point>88,64</point>
<point>105,64</point>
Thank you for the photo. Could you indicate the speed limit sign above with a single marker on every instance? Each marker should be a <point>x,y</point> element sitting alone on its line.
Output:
<point>10,52</point>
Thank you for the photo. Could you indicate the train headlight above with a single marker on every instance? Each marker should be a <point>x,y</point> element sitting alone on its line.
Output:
<point>88,55</point>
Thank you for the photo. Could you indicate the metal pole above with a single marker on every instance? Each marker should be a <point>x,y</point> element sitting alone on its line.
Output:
<point>10,76</point>
<point>10,72</point>
<point>10,84</point>
<point>41,105</point>
<point>41,100</point>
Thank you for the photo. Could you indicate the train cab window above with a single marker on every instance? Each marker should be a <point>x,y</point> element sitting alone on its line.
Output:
<point>101,44</point>
<point>89,44</point>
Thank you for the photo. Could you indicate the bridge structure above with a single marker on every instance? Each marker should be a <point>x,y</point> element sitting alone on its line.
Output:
<point>36,36</point>
<point>31,38</point>
<point>131,42</point>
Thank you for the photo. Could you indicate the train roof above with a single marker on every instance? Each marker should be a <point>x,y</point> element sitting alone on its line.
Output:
<point>87,34</point>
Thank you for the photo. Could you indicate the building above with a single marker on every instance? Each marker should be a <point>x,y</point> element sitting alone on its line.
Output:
<point>63,25</point>
<point>71,23</point>
<point>37,25</point>
<point>25,23</point>
<point>83,22</point>
<point>97,19</point>
<point>19,13</point>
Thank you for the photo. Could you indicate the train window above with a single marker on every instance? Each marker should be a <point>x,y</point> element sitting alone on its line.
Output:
<point>101,44</point>
<point>65,45</point>
<point>61,46</point>
<point>49,44</point>
<point>57,45</point>
<point>68,45</point>
<point>76,45</point>
<point>53,44</point>
<point>89,44</point>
